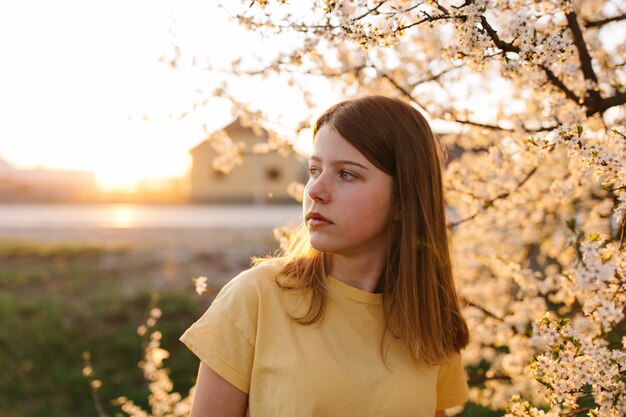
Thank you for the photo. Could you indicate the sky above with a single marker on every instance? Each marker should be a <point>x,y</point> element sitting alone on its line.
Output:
<point>82,85</point>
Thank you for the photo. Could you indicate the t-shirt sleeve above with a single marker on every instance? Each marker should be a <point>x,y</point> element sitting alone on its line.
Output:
<point>224,337</point>
<point>451,384</point>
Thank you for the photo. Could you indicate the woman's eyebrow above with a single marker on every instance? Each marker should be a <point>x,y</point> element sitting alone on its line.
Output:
<point>340,162</point>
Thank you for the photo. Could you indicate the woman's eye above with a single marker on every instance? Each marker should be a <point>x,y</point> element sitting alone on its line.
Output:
<point>314,172</point>
<point>346,175</point>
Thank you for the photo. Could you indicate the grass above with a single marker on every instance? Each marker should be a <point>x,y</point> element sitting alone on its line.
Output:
<point>56,302</point>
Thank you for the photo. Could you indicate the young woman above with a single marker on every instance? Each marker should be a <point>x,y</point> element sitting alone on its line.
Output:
<point>360,316</point>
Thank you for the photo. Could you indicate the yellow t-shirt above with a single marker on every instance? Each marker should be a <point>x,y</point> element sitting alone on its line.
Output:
<point>330,368</point>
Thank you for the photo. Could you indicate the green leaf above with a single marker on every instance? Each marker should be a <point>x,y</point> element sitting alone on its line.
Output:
<point>563,322</point>
<point>544,383</point>
<point>571,224</point>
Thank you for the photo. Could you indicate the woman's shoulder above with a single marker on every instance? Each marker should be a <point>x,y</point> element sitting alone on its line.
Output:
<point>253,282</point>
<point>253,290</point>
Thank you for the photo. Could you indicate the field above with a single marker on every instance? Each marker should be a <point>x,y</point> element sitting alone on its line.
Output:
<point>63,293</point>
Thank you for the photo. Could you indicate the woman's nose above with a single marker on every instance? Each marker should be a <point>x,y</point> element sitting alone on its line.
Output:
<point>317,189</point>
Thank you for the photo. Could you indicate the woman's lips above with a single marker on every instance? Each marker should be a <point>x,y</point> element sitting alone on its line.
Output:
<point>315,219</point>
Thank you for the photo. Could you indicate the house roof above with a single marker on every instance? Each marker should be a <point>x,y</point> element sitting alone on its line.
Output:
<point>231,129</point>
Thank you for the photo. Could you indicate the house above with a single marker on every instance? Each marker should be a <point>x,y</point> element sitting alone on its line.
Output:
<point>39,185</point>
<point>261,178</point>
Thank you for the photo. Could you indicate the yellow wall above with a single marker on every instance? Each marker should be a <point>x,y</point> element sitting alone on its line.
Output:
<point>249,182</point>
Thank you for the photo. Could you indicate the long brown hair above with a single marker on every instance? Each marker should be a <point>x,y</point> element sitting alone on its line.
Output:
<point>419,298</point>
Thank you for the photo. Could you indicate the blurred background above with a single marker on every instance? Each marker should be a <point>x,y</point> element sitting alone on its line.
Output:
<point>109,200</point>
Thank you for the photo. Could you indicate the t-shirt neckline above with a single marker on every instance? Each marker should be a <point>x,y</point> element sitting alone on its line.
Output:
<point>356,294</point>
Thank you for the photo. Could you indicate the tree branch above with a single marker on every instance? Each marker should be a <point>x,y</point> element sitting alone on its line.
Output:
<point>441,8</point>
<point>576,412</point>
<point>489,203</point>
<point>401,11</point>
<point>435,77</point>
<point>369,11</point>
<point>583,56</point>
<point>476,379</point>
<point>606,103</point>
<point>402,90</point>
<point>508,47</point>
<point>409,96</point>
<point>430,19</point>
<point>559,84</point>
<point>602,22</point>
<point>505,46</point>
<point>484,310</point>
<point>504,129</point>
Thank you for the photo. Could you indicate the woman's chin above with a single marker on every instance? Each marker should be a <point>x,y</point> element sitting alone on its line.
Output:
<point>321,244</point>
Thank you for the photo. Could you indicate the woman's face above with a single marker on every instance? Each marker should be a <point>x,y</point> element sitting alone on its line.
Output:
<point>347,200</point>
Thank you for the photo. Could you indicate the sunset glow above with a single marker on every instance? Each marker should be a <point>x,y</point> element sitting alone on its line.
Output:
<point>104,102</point>
<point>124,216</point>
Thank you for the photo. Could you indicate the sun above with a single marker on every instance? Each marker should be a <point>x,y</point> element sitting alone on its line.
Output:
<point>109,181</point>
<point>123,169</point>
<point>131,151</point>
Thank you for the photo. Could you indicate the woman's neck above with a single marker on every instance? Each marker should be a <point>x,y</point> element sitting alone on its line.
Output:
<point>361,272</point>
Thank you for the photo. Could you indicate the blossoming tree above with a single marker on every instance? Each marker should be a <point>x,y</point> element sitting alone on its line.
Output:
<point>533,94</point>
